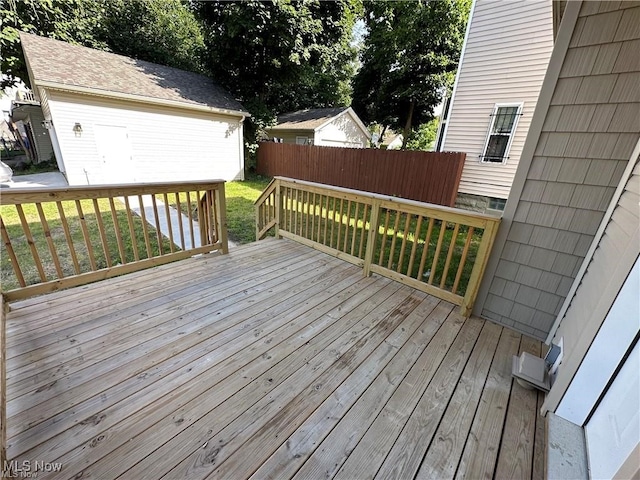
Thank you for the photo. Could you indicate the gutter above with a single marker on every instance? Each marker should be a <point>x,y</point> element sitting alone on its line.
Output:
<point>140,99</point>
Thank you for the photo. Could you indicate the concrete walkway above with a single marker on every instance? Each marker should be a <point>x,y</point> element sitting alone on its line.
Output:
<point>37,180</point>
<point>164,222</point>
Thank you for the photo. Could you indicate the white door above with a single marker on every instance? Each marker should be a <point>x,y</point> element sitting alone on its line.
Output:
<point>613,431</point>
<point>114,151</point>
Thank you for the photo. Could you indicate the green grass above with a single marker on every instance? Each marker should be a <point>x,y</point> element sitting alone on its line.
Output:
<point>241,217</point>
<point>23,251</point>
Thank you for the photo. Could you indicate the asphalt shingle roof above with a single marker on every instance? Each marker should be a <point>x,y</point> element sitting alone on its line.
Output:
<point>76,66</point>
<point>307,119</point>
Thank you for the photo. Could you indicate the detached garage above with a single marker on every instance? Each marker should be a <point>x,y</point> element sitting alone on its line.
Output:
<point>114,119</point>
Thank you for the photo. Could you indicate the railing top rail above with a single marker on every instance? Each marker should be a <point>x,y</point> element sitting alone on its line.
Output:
<point>17,196</point>
<point>430,207</point>
<point>266,192</point>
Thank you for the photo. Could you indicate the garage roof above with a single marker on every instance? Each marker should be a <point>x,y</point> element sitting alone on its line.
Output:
<point>56,64</point>
<point>309,119</point>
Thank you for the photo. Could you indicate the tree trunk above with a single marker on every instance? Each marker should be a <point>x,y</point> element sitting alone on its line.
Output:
<point>407,126</point>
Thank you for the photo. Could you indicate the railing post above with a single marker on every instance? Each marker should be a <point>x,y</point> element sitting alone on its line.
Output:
<point>482,257</point>
<point>221,217</point>
<point>278,208</point>
<point>371,237</point>
<point>3,387</point>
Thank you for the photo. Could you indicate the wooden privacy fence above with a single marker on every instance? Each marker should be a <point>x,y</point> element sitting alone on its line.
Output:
<point>439,250</point>
<point>54,238</point>
<point>431,177</point>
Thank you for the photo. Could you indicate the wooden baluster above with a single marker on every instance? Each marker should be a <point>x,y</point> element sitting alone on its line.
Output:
<point>333,222</point>
<point>190,217</point>
<point>305,213</point>
<point>396,223</point>
<point>339,223</point>
<point>156,217</point>
<point>312,206</point>
<point>180,224</point>
<point>383,243</point>
<point>49,239</point>
<point>145,229</point>
<point>12,254</point>
<point>221,218</point>
<point>326,219</point>
<point>405,234</point>
<point>103,233</point>
<point>416,236</point>
<point>363,229</point>
<point>116,227</point>
<point>132,230</point>
<point>346,227</point>
<point>425,250</point>
<point>355,228</point>
<point>434,264</point>
<point>452,247</point>
<point>31,243</point>
<point>165,199</point>
<point>463,260</point>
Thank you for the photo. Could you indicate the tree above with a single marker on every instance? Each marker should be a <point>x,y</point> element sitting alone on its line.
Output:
<point>72,21</point>
<point>410,57</point>
<point>160,31</point>
<point>424,136</point>
<point>279,56</point>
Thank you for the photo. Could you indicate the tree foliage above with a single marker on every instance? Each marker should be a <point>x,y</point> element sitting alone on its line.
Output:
<point>424,136</point>
<point>160,31</point>
<point>410,57</point>
<point>279,56</point>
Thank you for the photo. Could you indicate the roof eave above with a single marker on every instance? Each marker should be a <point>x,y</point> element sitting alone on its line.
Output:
<point>140,99</point>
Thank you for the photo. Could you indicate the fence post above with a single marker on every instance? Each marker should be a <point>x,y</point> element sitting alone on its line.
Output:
<point>482,257</point>
<point>221,217</point>
<point>371,237</point>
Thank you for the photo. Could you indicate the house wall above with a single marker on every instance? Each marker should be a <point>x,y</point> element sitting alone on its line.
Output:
<point>504,61</point>
<point>605,273</point>
<point>42,140</point>
<point>289,136</point>
<point>580,142</point>
<point>167,144</point>
<point>342,131</point>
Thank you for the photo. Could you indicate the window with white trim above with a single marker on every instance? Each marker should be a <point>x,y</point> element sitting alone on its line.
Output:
<point>504,120</point>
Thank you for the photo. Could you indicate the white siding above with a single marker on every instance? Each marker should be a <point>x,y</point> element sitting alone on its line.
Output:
<point>342,131</point>
<point>505,59</point>
<point>167,144</point>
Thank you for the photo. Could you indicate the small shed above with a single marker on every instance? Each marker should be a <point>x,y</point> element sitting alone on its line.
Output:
<point>114,119</point>
<point>329,127</point>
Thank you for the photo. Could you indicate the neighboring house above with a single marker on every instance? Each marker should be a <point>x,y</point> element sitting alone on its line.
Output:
<point>25,110</point>
<point>564,265</point>
<point>329,127</point>
<point>502,65</point>
<point>114,119</point>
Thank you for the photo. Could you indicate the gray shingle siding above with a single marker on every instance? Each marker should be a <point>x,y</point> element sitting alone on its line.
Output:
<point>589,131</point>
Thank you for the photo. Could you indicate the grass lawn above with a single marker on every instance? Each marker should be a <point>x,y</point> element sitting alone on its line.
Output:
<point>241,217</point>
<point>58,237</point>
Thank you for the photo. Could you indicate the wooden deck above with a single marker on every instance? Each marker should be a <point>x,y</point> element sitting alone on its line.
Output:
<point>275,361</point>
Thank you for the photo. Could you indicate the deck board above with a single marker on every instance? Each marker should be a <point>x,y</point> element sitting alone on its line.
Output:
<point>275,361</point>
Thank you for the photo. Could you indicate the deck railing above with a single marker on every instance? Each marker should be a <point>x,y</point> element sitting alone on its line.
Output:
<point>55,238</point>
<point>439,250</point>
